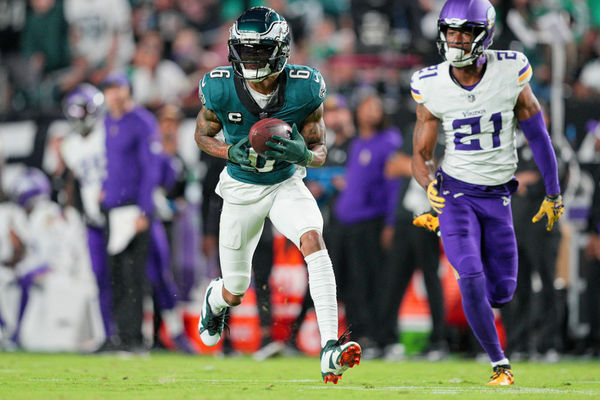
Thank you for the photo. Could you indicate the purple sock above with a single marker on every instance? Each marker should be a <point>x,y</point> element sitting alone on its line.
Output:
<point>480,315</point>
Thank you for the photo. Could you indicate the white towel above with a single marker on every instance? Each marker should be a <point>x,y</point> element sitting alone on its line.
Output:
<point>121,222</point>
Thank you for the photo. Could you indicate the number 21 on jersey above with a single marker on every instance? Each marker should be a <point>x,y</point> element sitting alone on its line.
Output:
<point>464,141</point>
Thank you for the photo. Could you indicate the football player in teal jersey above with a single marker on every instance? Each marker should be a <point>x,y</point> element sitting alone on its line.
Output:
<point>261,84</point>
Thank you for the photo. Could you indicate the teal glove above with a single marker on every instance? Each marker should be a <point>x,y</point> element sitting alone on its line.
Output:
<point>238,153</point>
<point>292,150</point>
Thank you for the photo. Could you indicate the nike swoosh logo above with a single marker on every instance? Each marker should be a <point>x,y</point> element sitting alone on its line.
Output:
<point>203,82</point>
<point>331,364</point>
<point>317,78</point>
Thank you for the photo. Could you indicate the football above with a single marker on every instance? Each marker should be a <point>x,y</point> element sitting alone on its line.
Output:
<point>263,130</point>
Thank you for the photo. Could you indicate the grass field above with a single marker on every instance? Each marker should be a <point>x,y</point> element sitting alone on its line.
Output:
<point>169,376</point>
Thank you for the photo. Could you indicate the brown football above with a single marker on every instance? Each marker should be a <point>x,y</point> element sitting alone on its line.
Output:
<point>263,130</point>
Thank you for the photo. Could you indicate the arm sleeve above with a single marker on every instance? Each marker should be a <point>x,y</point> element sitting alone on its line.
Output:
<point>148,152</point>
<point>543,153</point>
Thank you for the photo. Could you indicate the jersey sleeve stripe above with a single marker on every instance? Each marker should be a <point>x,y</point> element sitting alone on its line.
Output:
<point>525,68</point>
<point>525,74</point>
<point>416,95</point>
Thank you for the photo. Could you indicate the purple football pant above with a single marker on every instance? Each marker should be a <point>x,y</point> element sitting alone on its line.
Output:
<point>479,240</point>
<point>97,247</point>
<point>158,268</point>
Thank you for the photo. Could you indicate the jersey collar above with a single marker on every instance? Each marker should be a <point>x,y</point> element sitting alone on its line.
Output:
<point>274,105</point>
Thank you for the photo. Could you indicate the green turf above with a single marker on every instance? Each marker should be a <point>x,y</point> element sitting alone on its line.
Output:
<point>169,376</point>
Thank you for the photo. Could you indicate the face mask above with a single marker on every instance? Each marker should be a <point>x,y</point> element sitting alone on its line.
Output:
<point>457,57</point>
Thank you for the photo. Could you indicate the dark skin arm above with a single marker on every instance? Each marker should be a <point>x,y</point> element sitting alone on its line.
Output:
<point>424,139</point>
<point>527,104</point>
<point>207,127</point>
<point>314,136</point>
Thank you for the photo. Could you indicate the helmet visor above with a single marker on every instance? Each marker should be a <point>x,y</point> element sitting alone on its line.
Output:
<point>253,55</point>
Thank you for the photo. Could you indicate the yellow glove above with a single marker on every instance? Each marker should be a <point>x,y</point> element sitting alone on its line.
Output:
<point>428,220</point>
<point>437,202</point>
<point>551,208</point>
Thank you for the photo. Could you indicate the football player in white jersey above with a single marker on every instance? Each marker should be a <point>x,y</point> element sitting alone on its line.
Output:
<point>84,154</point>
<point>479,96</point>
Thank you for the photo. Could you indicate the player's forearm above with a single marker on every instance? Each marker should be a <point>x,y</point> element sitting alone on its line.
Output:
<point>212,146</point>
<point>319,152</point>
<point>423,169</point>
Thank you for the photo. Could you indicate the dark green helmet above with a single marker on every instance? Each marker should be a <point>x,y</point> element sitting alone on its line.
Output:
<point>259,44</point>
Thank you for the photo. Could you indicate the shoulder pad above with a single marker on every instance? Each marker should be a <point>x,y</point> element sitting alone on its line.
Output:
<point>210,88</point>
<point>515,64</point>
<point>312,83</point>
<point>419,82</point>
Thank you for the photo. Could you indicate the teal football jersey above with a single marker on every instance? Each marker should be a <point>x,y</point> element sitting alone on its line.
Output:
<point>301,90</point>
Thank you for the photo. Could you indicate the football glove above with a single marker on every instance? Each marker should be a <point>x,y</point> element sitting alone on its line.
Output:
<point>552,209</point>
<point>292,150</point>
<point>428,220</point>
<point>436,201</point>
<point>238,153</point>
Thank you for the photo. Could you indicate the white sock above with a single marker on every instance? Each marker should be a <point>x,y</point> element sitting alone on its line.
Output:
<point>172,321</point>
<point>504,361</point>
<point>215,300</point>
<point>321,282</point>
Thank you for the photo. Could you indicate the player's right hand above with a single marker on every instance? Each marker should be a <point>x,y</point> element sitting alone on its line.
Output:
<point>238,153</point>
<point>436,201</point>
<point>552,208</point>
<point>428,220</point>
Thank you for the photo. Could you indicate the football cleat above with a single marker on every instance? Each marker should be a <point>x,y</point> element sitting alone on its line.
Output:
<point>210,325</point>
<point>502,376</point>
<point>337,356</point>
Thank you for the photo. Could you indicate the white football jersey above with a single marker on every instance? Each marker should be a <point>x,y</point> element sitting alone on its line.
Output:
<point>86,158</point>
<point>478,124</point>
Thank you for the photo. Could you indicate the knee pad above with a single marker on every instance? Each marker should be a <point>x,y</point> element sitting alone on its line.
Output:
<point>502,293</point>
<point>236,283</point>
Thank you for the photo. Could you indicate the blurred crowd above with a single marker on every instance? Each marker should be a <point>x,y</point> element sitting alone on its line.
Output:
<point>366,51</point>
<point>49,46</point>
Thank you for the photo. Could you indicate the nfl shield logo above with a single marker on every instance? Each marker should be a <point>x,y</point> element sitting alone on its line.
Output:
<point>471,98</point>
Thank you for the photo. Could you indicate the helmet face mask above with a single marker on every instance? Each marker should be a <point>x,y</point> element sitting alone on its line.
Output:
<point>259,44</point>
<point>476,16</point>
<point>82,107</point>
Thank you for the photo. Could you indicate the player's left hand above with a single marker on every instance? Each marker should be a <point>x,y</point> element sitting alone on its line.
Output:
<point>292,150</point>
<point>436,201</point>
<point>551,208</point>
<point>428,220</point>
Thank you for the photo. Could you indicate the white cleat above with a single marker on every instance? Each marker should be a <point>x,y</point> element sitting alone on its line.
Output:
<point>210,325</point>
<point>336,358</point>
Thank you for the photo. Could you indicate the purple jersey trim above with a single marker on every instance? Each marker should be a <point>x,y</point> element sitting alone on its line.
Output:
<point>522,71</point>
